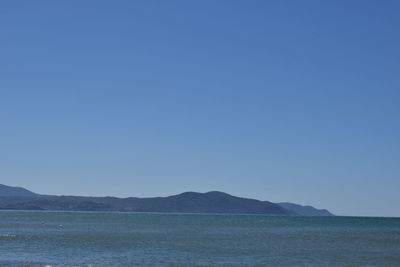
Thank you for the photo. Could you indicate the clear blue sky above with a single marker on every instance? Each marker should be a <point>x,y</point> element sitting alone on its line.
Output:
<point>277,100</point>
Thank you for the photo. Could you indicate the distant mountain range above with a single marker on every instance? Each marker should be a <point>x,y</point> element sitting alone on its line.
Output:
<point>17,198</point>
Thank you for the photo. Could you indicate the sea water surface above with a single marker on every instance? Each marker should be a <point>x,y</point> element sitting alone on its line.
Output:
<point>149,239</point>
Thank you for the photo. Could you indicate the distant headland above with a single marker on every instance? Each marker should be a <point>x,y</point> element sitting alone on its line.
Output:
<point>18,198</point>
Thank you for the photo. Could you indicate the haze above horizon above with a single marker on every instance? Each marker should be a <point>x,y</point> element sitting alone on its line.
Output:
<point>273,100</point>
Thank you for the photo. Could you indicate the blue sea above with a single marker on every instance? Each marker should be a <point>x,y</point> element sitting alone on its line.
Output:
<point>149,239</point>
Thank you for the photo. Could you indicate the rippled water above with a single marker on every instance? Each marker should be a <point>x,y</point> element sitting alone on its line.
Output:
<point>140,239</point>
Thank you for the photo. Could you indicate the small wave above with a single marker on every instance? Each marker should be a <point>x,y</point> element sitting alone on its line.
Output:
<point>7,236</point>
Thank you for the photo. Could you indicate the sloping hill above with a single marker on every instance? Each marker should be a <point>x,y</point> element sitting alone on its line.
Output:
<point>15,191</point>
<point>305,210</point>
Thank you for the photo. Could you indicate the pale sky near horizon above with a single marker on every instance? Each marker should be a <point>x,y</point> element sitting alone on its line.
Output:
<point>295,101</point>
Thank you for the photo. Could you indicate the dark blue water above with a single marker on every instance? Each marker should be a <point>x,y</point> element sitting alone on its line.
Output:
<point>139,239</point>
